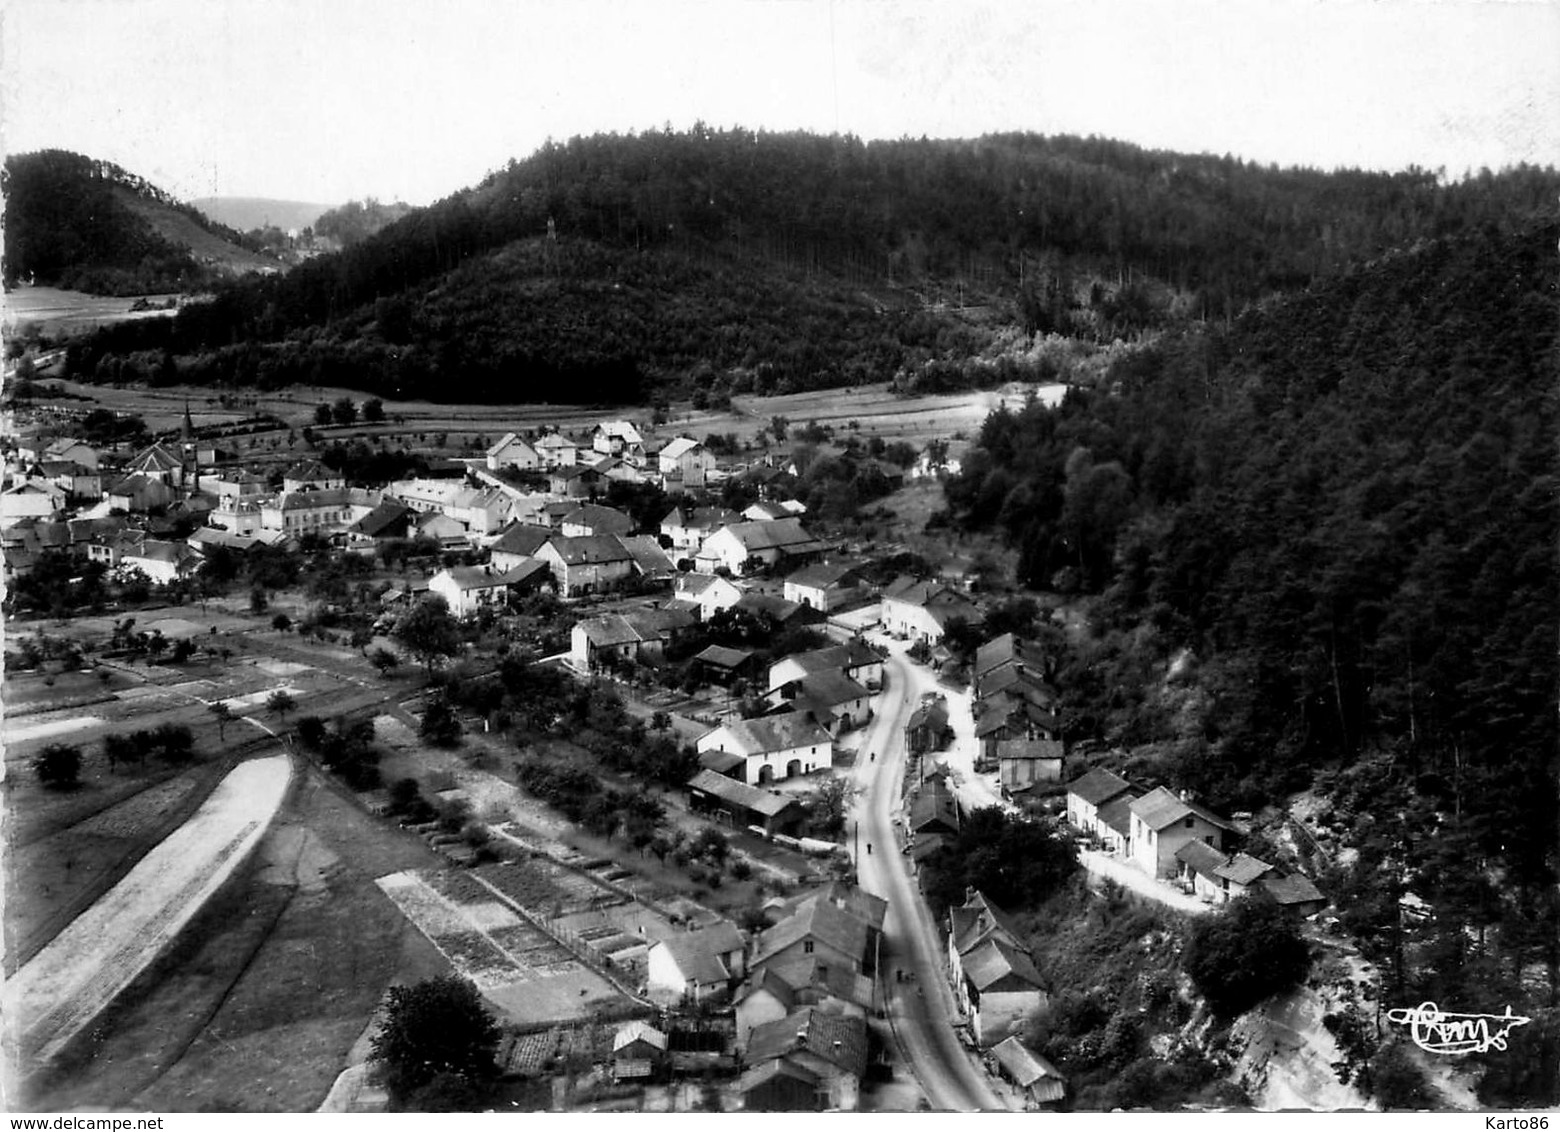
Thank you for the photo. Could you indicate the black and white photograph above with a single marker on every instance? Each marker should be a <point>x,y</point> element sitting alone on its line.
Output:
<point>769,556</point>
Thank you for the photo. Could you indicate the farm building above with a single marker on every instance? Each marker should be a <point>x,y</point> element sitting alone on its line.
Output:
<point>741,805</point>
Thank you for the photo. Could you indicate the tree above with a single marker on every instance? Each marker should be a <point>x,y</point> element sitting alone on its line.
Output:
<point>384,660</point>
<point>281,702</point>
<point>257,600</point>
<point>322,415</point>
<point>281,622</point>
<point>439,725</point>
<point>436,1027</point>
<point>429,632</point>
<point>58,767</point>
<point>373,410</point>
<point>778,426</point>
<point>1245,955</point>
<point>223,715</point>
<point>832,801</point>
<point>344,411</point>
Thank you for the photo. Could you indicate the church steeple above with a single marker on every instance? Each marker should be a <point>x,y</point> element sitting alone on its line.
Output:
<point>187,429</point>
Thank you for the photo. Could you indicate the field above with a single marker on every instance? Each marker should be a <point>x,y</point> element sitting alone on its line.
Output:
<point>453,429</point>
<point>57,312</point>
<point>260,1001</point>
<point>59,991</point>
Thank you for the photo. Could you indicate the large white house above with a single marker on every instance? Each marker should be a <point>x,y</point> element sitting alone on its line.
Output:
<point>780,746</point>
<point>923,610</point>
<point>688,460</point>
<point>1162,823</point>
<point>512,451</point>
<point>734,546</point>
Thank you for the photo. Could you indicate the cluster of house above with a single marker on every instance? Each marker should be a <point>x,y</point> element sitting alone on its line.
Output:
<point>1170,836</point>
<point>800,989</point>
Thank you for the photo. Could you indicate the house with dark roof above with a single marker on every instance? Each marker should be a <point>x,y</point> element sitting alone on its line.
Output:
<point>928,729</point>
<point>688,527</point>
<point>821,929</point>
<point>922,610</point>
<point>831,698</point>
<point>808,1061</point>
<point>696,966</point>
<point>994,977</point>
<point>516,543</point>
<point>737,546</point>
<point>311,475</point>
<point>1218,879</point>
<point>138,492</point>
<point>824,586</point>
<point>512,451</point>
<point>1086,794</point>
<point>593,564</point>
<point>775,990</point>
<point>638,1049</point>
<point>594,519</point>
<point>715,793</point>
<point>650,561</point>
<point>1039,1080</point>
<point>1162,822</point>
<point>386,522</point>
<point>722,665</point>
<point>574,481</point>
<point>469,589</point>
<point>640,635</point>
<point>777,609</point>
<point>934,808</point>
<point>1113,823</point>
<point>773,747</point>
<point>855,658</point>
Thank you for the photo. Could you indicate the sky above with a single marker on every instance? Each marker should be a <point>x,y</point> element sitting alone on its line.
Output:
<point>331,100</point>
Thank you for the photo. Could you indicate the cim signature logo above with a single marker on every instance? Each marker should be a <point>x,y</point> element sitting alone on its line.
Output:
<point>1435,1031</point>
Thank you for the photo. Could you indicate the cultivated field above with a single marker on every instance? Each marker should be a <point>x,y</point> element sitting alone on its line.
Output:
<point>55,311</point>
<point>87,965</point>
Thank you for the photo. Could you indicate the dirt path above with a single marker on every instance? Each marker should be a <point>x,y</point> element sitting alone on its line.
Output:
<point>80,972</point>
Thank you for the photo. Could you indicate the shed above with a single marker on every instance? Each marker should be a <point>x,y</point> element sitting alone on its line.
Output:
<point>1019,1064</point>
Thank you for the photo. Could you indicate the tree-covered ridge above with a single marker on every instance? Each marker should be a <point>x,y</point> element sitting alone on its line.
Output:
<point>1084,237</point>
<point>66,225</point>
<point>355,221</point>
<point>1343,507</point>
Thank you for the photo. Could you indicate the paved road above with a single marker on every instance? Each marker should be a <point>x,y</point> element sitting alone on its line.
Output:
<point>922,1011</point>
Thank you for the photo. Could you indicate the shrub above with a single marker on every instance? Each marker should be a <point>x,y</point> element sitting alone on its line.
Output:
<point>1245,955</point>
<point>58,766</point>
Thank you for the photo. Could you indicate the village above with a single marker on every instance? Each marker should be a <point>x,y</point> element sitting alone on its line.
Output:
<point>745,725</point>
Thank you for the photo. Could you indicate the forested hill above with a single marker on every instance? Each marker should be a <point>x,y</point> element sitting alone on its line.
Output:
<point>75,222</point>
<point>923,253</point>
<point>1344,508</point>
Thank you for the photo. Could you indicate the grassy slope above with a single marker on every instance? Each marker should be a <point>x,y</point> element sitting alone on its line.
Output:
<point>179,229</point>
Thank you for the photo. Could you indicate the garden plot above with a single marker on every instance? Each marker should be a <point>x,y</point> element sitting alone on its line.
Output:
<point>282,668</point>
<point>515,965</point>
<point>49,728</point>
<point>78,973</point>
<point>138,812</point>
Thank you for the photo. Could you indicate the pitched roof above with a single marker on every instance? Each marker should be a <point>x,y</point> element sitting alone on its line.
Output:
<point>772,733</point>
<point>1201,857</point>
<point>555,440</point>
<point>310,470</point>
<point>933,715</point>
<point>978,919</point>
<point>154,458</point>
<point>822,575</point>
<point>772,534</point>
<point>1160,808</point>
<point>521,538</point>
<point>830,688</point>
<point>1116,814</point>
<point>622,429</point>
<point>934,804</point>
<point>700,518</point>
<point>505,441</point>
<point>995,959</point>
<point>871,910</point>
<point>590,549</point>
<point>722,657</point>
<point>601,520</point>
<point>638,1031</point>
<point>1099,785</point>
<point>381,518</point>
<point>1028,1069</point>
<point>680,446</point>
<point>720,761</point>
<point>772,606</point>
<point>766,802</point>
<point>649,559</point>
<point>698,953</point>
<point>308,500</point>
<point>1291,888</point>
<point>839,1039</point>
<point>821,920</point>
<point>609,630</point>
<point>1242,869</point>
<point>480,577</point>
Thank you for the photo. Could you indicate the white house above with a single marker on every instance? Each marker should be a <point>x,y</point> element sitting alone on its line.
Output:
<point>513,451</point>
<point>687,459</point>
<point>696,965</point>
<point>162,562</point>
<point>824,586</point>
<point>689,527</point>
<point>708,591</point>
<point>33,500</point>
<point>467,589</point>
<point>621,439</point>
<point>1086,794</point>
<point>855,659</point>
<point>311,475</point>
<point>1162,823</point>
<point>993,975</point>
<point>923,610</point>
<point>774,747</point>
<point>557,451</point>
<point>737,544</point>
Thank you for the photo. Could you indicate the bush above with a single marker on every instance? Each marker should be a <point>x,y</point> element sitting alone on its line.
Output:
<point>1245,955</point>
<point>58,767</point>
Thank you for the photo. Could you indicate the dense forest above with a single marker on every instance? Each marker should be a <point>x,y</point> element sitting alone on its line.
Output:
<point>352,223</point>
<point>788,261</point>
<point>67,225</point>
<point>1322,543</point>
